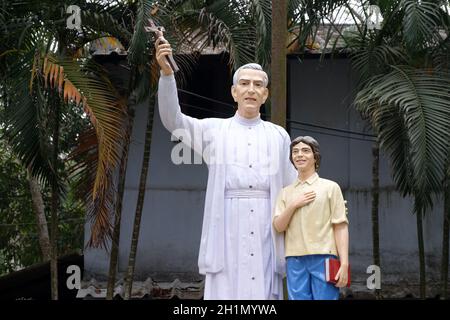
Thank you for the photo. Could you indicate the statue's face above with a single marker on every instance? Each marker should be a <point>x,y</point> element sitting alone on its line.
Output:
<point>303,157</point>
<point>249,92</point>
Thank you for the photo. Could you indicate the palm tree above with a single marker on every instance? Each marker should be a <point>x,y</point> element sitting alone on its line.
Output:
<point>44,46</point>
<point>278,65</point>
<point>445,235</point>
<point>41,220</point>
<point>375,203</point>
<point>139,42</point>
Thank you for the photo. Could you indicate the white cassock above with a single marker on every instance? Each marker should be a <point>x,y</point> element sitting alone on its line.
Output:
<point>241,255</point>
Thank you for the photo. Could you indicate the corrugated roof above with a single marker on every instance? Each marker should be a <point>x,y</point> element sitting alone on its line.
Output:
<point>148,289</point>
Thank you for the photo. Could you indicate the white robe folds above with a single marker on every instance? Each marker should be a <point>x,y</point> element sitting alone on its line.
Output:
<point>217,140</point>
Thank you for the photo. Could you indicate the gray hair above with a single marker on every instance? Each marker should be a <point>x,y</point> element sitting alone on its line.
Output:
<point>310,141</point>
<point>253,66</point>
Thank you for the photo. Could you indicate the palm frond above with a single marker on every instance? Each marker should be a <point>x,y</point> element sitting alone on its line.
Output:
<point>104,108</point>
<point>305,17</point>
<point>441,56</point>
<point>420,23</point>
<point>369,59</point>
<point>26,128</point>
<point>220,23</point>
<point>84,172</point>
<point>409,109</point>
<point>140,49</point>
<point>226,26</point>
<point>262,16</point>
<point>109,20</point>
<point>140,42</point>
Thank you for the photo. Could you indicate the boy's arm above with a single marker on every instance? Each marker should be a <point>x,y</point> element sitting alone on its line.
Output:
<point>342,239</point>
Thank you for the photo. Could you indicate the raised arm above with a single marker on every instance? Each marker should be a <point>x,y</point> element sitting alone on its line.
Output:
<point>341,238</point>
<point>180,125</point>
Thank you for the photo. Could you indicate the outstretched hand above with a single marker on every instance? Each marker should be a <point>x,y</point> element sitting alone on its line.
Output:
<point>163,50</point>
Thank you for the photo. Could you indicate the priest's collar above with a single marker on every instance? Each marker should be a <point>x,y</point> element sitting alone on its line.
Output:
<point>247,122</point>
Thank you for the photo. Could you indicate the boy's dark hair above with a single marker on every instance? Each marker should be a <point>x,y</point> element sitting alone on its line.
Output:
<point>310,141</point>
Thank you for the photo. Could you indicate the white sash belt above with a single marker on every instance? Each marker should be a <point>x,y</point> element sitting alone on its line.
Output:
<point>247,193</point>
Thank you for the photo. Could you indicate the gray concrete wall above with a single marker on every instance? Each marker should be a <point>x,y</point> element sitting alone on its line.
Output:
<point>172,213</point>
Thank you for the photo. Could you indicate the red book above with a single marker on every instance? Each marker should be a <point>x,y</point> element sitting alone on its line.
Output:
<point>331,269</point>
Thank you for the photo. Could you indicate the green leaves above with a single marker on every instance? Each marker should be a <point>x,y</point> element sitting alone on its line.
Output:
<point>420,23</point>
<point>369,60</point>
<point>140,39</point>
<point>229,24</point>
<point>26,120</point>
<point>409,109</point>
<point>262,13</point>
<point>106,112</point>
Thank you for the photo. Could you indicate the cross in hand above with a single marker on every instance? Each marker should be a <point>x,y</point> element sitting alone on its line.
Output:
<point>158,30</point>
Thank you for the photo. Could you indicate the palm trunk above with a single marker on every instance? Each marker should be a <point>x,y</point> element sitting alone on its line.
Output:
<point>55,203</point>
<point>118,213</point>
<point>375,203</point>
<point>445,238</point>
<point>423,288</point>
<point>41,220</point>
<point>140,201</point>
<point>278,62</point>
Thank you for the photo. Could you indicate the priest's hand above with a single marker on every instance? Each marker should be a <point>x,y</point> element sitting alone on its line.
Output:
<point>163,50</point>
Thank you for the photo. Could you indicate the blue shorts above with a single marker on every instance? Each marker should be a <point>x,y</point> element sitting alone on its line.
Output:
<point>306,278</point>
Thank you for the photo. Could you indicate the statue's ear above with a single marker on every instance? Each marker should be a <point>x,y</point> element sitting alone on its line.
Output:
<point>233,93</point>
<point>265,94</point>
